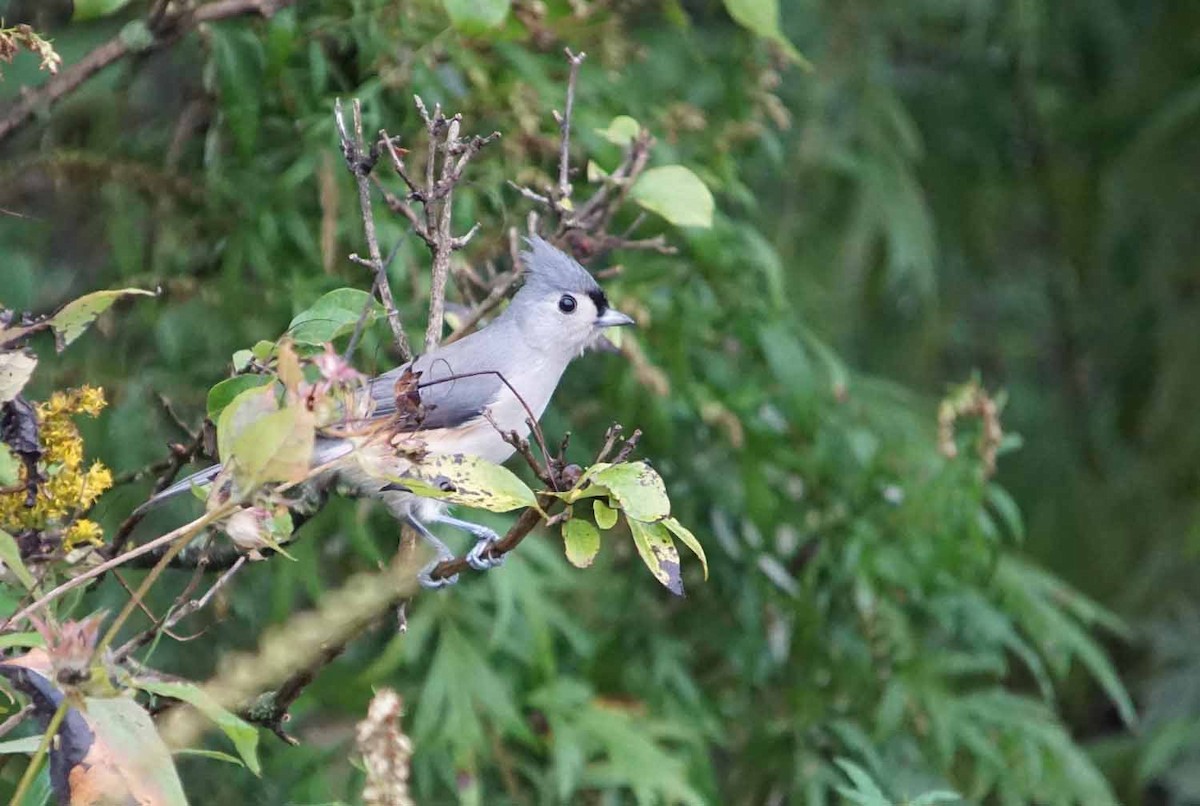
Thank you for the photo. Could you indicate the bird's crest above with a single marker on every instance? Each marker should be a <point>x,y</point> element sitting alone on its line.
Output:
<point>549,269</point>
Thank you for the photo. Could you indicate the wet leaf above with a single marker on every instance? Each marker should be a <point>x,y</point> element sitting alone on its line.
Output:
<point>333,315</point>
<point>688,539</point>
<point>243,735</point>
<point>761,17</point>
<point>582,541</point>
<point>467,480</point>
<point>654,544</point>
<point>638,488</point>
<point>606,516</point>
<point>676,194</point>
<point>224,392</point>
<point>75,317</point>
<point>10,555</point>
<point>16,368</point>
<point>621,130</point>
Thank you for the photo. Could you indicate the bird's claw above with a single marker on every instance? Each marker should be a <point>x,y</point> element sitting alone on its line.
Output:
<point>480,556</point>
<point>426,579</point>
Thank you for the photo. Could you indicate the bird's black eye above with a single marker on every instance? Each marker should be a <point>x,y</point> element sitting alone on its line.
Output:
<point>567,303</point>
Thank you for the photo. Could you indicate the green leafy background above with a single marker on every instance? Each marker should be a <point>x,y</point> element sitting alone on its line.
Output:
<point>952,187</point>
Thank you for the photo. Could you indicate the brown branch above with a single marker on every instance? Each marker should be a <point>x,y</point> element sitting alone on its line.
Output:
<point>270,709</point>
<point>360,164</point>
<point>164,31</point>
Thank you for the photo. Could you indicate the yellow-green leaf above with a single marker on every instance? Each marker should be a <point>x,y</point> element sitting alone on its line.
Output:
<point>243,735</point>
<point>275,447</point>
<point>10,467</point>
<point>224,392</point>
<point>21,639</point>
<point>688,539</point>
<point>621,130</point>
<point>606,516</point>
<point>676,194</point>
<point>10,555</point>
<point>476,16</point>
<point>467,480</point>
<point>582,542</point>
<point>638,488</point>
<point>246,407</point>
<point>761,17</point>
<point>75,317</point>
<point>16,368</point>
<point>653,543</point>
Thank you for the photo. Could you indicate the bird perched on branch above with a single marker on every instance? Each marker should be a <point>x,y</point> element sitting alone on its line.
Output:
<point>473,391</point>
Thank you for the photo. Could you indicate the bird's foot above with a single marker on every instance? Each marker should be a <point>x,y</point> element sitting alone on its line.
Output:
<point>481,557</point>
<point>426,579</point>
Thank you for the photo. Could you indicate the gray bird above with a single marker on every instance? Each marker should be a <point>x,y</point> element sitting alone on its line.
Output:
<point>557,314</point>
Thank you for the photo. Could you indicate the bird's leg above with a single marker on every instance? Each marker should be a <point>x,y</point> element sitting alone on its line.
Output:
<point>443,554</point>
<point>479,556</point>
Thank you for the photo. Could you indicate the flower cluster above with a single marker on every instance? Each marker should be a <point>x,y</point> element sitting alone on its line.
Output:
<point>67,487</point>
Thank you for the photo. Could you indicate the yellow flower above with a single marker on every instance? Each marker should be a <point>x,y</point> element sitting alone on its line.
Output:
<point>83,532</point>
<point>67,489</point>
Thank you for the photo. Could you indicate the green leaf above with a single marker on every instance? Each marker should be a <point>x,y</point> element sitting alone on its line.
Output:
<point>215,755</point>
<point>606,516</point>
<point>91,9</point>
<point>762,18</point>
<point>21,639</point>
<point>243,735</point>
<point>75,317</point>
<point>621,130</point>
<point>676,194</point>
<point>278,447</point>
<point>638,488</point>
<point>476,16</point>
<point>688,539</point>
<point>582,541</point>
<point>224,392</point>
<point>653,543</point>
<point>10,467</point>
<point>27,745</point>
<point>245,408</point>
<point>16,368</point>
<point>467,480</point>
<point>333,315</point>
<point>10,555</point>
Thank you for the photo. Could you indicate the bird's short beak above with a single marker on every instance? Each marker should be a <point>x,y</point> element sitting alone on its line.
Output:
<point>613,318</point>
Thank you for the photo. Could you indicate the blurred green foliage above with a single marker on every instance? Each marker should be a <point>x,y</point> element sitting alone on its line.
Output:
<point>954,186</point>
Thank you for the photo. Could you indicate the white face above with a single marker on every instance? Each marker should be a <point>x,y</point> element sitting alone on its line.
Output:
<point>567,322</point>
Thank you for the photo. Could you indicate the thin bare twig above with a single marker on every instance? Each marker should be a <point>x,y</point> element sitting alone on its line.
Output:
<point>360,164</point>
<point>564,126</point>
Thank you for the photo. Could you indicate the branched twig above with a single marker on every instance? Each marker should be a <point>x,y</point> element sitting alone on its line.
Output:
<point>164,30</point>
<point>360,164</point>
<point>435,196</point>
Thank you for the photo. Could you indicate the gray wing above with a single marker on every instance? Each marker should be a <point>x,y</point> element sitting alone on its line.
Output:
<point>457,383</point>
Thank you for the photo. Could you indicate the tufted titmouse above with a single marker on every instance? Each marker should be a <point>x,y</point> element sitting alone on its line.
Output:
<point>558,313</point>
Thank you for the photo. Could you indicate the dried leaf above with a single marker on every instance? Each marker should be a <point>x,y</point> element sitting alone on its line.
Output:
<point>16,368</point>
<point>653,543</point>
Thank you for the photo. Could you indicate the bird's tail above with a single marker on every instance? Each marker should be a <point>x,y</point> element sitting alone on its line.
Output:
<point>197,479</point>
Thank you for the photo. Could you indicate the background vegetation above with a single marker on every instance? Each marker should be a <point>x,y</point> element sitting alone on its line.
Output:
<point>954,190</point>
